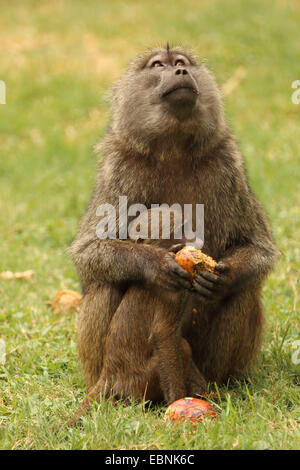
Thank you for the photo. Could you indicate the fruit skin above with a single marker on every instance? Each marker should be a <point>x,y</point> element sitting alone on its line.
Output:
<point>193,260</point>
<point>192,409</point>
<point>185,259</point>
<point>66,300</point>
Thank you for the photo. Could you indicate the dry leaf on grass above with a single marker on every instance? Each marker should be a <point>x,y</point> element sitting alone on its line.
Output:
<point>234,81</point>
<point>66,301</point>
<point>7,275</point>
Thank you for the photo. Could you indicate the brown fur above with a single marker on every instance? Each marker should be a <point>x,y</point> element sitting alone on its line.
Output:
<point>154,156</point>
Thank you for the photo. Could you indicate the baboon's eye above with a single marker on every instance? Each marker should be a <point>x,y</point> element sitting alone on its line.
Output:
<point>179,63</point>
<point>157,63</point>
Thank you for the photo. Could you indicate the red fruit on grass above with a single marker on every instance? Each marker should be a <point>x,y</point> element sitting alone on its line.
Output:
<point>192,409</point>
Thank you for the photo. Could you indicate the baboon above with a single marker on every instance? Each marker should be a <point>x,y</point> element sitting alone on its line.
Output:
<point>169,142</point>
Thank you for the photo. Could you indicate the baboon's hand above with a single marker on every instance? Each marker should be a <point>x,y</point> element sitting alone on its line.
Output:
<point>163,271</point>
<point>213,287</point>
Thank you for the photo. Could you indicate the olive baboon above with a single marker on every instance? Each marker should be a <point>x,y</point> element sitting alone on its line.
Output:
<point>168,142</point>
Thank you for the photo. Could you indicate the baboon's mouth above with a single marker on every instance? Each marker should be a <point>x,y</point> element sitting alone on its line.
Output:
<point>180,87</point>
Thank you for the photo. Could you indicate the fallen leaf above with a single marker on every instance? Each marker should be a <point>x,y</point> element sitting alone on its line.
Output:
<point>210,395</point>
<point>66,301</point>
<point>7,275</point>
<point>234,81</point>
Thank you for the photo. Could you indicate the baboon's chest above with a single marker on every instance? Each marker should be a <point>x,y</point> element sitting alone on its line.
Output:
<point>181,186</point>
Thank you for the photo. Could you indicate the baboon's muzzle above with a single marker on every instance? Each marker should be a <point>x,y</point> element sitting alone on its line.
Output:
<point>179,86</point>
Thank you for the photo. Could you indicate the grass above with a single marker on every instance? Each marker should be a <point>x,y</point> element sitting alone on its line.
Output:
<point>58,59</point>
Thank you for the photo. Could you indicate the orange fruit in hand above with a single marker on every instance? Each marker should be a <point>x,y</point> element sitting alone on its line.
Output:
<point>193,260</point>
<point>192,409</point>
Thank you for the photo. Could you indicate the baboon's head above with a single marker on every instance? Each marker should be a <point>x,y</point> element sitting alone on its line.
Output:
<point>165,94</point>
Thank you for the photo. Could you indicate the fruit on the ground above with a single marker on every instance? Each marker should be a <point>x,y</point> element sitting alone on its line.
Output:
<point>192,409</point>
<point>66,301</point>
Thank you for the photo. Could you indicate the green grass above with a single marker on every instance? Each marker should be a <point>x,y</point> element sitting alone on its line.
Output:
<point>58,59</point>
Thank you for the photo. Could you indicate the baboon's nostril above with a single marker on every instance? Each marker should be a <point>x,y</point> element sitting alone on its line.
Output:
<point>181,72</point>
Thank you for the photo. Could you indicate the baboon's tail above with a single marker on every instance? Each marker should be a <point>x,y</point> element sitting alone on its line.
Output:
<point>100,389</point>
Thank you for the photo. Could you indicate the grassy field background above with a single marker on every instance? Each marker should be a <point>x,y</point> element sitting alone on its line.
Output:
<point>58,59</point>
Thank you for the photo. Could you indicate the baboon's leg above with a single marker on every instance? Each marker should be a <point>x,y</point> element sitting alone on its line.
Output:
<point>172,364</point>
<point>143,350</point>
<point>172,352</point>
<point>196,383</point>
<point>145,354</point>
<point>146,385</point>
<point>97,309</point>
<point>230,338</point>
<point>175,385</point>
<point>154,382</point>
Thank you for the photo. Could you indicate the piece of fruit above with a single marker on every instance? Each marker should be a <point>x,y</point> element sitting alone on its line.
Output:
<point>66,300</point>
<point>193,260</point>
<point>192,409</point>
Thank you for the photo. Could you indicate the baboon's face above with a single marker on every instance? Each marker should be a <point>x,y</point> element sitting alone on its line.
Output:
<point>163,93</point>
<point>175,85</point>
